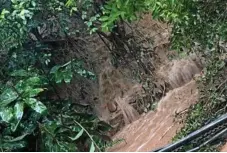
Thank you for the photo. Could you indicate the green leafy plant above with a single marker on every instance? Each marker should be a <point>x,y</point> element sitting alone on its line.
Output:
<point>15,101</point>
<point>65,72</point>
<point>30,121</point>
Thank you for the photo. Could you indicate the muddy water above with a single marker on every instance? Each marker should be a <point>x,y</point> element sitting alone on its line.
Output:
<point>157,128</point>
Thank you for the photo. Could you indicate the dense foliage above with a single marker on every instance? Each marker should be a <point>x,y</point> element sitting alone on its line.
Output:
<point>29,119</point>
<point>29,32</point>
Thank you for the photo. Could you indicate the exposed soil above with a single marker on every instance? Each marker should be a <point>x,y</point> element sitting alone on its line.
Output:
<point>119,92</point>
<point>224,148</point>
<point>143,75</point>
<point>127,91</point>
<point>157,128</point>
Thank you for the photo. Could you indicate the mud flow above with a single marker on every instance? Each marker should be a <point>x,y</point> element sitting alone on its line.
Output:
<point>117,94</point>
<point>157,128</point>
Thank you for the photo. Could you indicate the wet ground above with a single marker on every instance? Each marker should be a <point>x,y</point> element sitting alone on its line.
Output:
<point>157,128</point>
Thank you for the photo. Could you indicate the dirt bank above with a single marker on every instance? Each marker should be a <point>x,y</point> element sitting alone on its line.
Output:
<point>157,128</point>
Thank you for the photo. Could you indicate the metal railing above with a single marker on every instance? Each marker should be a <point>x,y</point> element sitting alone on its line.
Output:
<point>199,138</point>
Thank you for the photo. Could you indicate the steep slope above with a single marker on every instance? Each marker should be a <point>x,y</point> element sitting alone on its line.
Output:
<point>156,129</point>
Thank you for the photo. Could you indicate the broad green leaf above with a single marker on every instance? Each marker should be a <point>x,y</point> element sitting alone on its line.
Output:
<point>48,136</point>
<point>13,115</point>
<point>172,2</point>
<point>73,9</point>
<point>89,24</point>
<point>33,92</point>
<point>78,135</point>
<point>92,148</point>
<point>23,85</point>
<point>6,114</point>
<point>118,3</point>
<point>70,3</point>
<point>36,105</point>
<point>33,81</point>
<point>33,3</point>
<point>55,69</point>
<point>14,1</point>
<point>58,77</point>
<point>105,27</point>
<point>3,13</point>
<point>51,126</point>
<point>20,73</point>
<point>20,86</point>
<point>104,18</point>
<point>68,76</point>
<point>17,115</point>
<point>19,110</point>
<point>8,96</point>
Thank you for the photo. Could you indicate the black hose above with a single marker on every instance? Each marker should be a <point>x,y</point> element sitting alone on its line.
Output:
<point>218,135</point>
<point>155,150</point>
<point>195,134</point>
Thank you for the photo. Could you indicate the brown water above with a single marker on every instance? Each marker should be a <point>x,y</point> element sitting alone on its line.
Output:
<point>157,128</point>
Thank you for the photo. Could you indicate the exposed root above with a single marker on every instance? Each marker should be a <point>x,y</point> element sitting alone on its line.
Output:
<point>116,93</point>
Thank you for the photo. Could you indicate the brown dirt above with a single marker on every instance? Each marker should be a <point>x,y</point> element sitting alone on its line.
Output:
<point>118,88</point>
<point>116,92</point>
<point>157,128</point>
<point>224,148</point>
<point>178,72</point>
